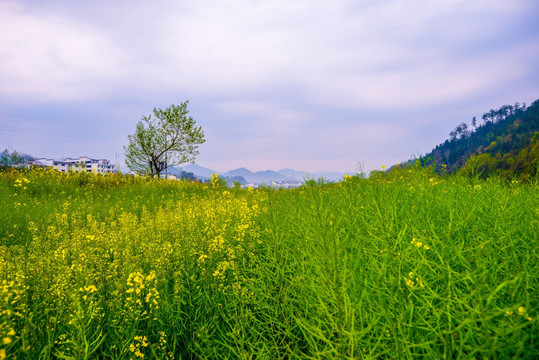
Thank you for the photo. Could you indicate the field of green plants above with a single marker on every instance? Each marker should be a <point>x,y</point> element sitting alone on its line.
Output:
<point>402,265</point>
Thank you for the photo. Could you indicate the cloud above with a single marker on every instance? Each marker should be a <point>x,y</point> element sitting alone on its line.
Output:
<point>412,52</point>
<point>336,53</point>
<point>46,58</point>
<point>271,81</point>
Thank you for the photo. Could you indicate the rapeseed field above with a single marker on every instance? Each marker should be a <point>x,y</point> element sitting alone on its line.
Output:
<point>402,265</point>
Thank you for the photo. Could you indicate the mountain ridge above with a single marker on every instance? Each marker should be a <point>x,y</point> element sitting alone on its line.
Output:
<point>263,176</point>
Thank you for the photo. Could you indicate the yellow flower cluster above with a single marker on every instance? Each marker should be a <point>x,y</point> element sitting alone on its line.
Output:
<point>215,181</point>
<point>419,244</point>
<point>141,342</point>
<point>230,234</point>
<point>413,283</point>
<point>162,341</point>
<point>123,252</point>
<point>521,311</point>
<point>90,289</point>
<point>143,297</point>
<point>12,310</point>
<point>21,183</point>
<point>444,167</point>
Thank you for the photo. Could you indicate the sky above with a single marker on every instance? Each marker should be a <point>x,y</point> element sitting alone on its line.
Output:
<point>306,84</point>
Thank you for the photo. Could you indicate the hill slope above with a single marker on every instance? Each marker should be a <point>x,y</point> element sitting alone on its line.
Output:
<point>507,143</point>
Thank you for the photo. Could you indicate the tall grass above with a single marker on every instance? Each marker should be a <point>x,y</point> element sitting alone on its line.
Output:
<point>403,265</point>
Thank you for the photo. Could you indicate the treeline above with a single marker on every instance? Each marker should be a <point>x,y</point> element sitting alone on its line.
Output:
<point>13,158</point>
<point>506,143</point>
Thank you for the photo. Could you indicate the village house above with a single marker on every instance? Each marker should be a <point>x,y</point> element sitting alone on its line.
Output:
<point>83,163</point>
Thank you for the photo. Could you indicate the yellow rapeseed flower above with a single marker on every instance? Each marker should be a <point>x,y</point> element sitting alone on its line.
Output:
<point>521,310</point>
<point>7,340</point>
<point>143,340</point>
<point>419,244</point>
<point>90,288</point>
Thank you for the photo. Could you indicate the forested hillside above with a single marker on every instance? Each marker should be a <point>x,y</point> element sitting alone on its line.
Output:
<point>505,143</point>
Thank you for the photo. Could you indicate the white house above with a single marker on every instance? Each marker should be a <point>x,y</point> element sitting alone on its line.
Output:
<point>83,163</point>
<point>42,162</point>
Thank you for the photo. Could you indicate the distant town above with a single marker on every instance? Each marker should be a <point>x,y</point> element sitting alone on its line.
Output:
<point>83,163</point>
<point>284,178</point>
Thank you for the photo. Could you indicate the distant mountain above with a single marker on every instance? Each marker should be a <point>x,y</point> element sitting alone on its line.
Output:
<point>268,176</point>
<point>244,175</point>
<point>232,179</point>
<point>199,171</point>
<point>294,174</point>
<point>303,175</point>
<point>259,177</point>
<point>243,172</point>
<point>180,174</point>
<point>174,171</point>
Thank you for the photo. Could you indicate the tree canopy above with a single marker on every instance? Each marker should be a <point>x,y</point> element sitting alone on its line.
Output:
<point>168,138</point>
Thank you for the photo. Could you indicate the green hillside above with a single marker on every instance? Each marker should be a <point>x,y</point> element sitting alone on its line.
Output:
<point>506,144</point>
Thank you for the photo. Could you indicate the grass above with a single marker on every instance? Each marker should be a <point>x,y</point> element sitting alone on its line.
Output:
<point>403,265</point>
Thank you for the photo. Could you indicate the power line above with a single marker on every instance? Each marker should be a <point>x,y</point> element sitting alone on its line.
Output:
<point>48,134</point>
<point>59,121</point>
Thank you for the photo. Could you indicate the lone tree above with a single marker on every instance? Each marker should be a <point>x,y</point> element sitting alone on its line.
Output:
<point>169,138</point>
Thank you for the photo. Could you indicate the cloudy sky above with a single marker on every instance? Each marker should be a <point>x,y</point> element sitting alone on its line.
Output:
<point>311,85</point>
